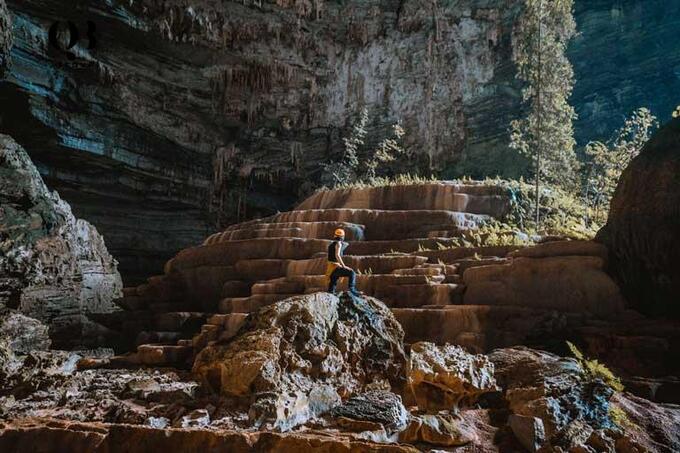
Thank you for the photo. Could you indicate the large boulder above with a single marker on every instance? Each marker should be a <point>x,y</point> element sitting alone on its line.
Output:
<point>446,377</point>
<point>53,267</point>
<point>654,426</point>
<point>19,334</point>
<point>551,389</point>
<point>298,357</point>
<point>643,226</point>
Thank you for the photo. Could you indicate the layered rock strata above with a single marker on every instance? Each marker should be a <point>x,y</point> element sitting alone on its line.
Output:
<point>480,298</point>
<point>53,267</point>
<point>224,110</point>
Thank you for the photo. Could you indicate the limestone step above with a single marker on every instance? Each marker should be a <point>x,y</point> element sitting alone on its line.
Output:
<point>419,271</point>
<point>229,253</point>
<point>449,324</point>
<point>467,263</point>
<point>379,264</point>
<point>450,255</point>
<point>446,269</point>
<point>413,245</point>
<point>257,233</point>
<point>403,296</point>
<point>278,286</point>
<point>384,224</point>
<point>250,304</point>
<point>236,288</point>
<point>310,230</point>
<point>454,278</point>
<point>261,269</point>
<point>160,289</point>
<point>468,197</point>
<point>370,284</point>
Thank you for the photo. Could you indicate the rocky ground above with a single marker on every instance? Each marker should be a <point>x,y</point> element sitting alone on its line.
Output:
<point>326,374</point>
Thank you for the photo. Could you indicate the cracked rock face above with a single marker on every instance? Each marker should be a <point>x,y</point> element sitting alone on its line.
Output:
<point>447,377</point>
<point>550,388</point>
<point>298,357</point>
<point>5,37</point>
<point>53,267</point>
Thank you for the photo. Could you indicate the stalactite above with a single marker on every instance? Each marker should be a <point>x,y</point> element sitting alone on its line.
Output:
<point>296,156</point>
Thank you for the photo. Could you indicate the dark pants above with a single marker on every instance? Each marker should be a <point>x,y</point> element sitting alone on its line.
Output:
<point>342,272</point>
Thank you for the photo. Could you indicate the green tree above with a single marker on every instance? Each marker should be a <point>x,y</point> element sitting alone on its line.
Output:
<point>606,161</point>
<point>546,134</point>
<point>360,163</point>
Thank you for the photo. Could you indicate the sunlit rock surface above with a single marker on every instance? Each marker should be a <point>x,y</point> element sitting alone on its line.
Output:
<point>311,350</point>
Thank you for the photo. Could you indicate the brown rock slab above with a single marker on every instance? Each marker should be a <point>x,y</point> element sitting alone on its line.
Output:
<point>567,283</point>
<point>562,248</point>
<point>442,430</point>
<point>529,431</point>
<point>476,199</point>
<point>44,435</point>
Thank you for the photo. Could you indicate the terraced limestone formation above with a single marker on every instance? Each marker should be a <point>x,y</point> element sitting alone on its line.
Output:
<point>402,245</point>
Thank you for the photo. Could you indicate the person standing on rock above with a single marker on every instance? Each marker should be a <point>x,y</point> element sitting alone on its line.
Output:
<point>336,267</point>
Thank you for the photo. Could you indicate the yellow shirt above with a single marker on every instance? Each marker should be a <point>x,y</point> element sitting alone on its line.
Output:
<point>330,267</point>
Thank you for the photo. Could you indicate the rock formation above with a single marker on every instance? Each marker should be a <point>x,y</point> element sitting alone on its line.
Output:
<point>480,297</point>
<point>324,373</point>
<point>447,377</point>
<point>644,220</point>
<point>53,267</point>
<point>6,39</point>
<point>208,102</point>
<point>309,352</point>
<point>611,62</point>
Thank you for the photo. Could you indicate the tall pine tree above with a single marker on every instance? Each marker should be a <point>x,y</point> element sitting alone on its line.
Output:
<point>546,133</point>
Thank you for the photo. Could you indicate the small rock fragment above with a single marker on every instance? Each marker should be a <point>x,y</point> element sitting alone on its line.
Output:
<point>529,431</point>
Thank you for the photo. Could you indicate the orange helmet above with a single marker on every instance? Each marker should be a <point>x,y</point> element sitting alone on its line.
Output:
<point>340,233</point>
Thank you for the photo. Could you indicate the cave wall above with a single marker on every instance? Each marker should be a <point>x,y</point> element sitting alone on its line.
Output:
<point>183,118</point>
<point>627,55</point>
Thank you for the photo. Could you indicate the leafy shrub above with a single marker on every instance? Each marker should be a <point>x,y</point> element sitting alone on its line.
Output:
<point>596,370</point>
<point>360,163</point>
<point>606,161</point>
<point>619,417</point>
